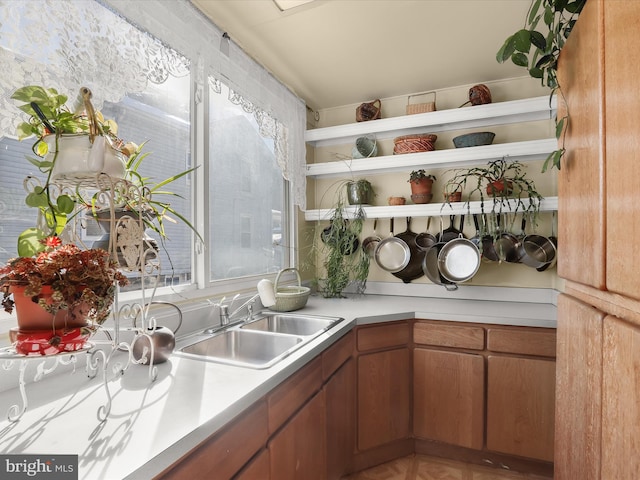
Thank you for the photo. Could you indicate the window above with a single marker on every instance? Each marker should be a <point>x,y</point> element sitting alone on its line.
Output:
<point>245,189</point>
<point>147,75</point>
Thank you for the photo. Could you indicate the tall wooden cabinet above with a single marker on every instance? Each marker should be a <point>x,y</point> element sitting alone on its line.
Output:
<point>598,391</point>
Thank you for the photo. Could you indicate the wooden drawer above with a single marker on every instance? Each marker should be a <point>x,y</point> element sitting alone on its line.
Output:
<point>448,335</point>
<point>336,355</point>
<point>293,393</point>
<point>377,337</point>
<point>525,341</point>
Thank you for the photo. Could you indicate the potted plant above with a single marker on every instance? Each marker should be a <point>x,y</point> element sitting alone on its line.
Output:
<point>360,192</point>
<point>530,48</point>
<point>62,291</point>
<point>502,181</point>
<point>421,185</point>
<point>53,124</point>
<point>152,201</point>
<point>338,247</point>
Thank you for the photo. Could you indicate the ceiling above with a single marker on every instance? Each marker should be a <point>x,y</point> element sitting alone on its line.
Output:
<point>340,52</point>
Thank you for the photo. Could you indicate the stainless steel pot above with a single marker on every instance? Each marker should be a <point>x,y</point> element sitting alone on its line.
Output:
<point>459,260</point>
<point>431,270</point>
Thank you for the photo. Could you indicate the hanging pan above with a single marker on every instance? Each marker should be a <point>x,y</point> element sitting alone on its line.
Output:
<point>431,270</point>
<point>392,253</point>
<point>459,260</point>
<point>413,269</point>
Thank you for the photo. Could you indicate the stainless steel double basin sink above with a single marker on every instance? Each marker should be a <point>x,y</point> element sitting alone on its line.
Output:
<point>261,342</point>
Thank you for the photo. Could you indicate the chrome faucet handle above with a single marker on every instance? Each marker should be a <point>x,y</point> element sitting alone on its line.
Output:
<point>224,314</point>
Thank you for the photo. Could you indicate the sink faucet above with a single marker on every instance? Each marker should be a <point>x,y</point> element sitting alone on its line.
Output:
<point>226,317</point>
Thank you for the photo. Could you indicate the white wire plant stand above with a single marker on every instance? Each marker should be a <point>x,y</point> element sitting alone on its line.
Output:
<point>120,206</point>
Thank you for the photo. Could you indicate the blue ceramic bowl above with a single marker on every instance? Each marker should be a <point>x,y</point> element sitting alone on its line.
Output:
<point>474,139</point>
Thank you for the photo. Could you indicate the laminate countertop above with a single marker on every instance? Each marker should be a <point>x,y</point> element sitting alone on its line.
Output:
<point>151,424</point>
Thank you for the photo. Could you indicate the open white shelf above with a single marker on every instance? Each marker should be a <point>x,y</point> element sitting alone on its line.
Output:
<point>515,111</point>
<point>548,204</point>
<point>527,151</point>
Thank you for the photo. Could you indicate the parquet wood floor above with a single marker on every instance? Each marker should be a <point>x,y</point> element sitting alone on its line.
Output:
<point>422,467</point>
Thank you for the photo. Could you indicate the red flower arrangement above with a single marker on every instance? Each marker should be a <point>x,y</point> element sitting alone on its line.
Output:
<point>76,277</point>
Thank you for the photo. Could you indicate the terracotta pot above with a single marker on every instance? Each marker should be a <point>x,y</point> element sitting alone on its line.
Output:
<point>422,186</point>
<point>397,200</point>
<point>453,197</point>
<point>32,316</point>
<point>498,188</point>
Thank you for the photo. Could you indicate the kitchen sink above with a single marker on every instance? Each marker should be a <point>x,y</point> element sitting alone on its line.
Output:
<point>291,324</point>
<point>260,343</point>
<point>245,348</point>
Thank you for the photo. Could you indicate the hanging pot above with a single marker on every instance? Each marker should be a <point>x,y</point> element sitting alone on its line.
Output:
<point>425,240</point>
<point>459,260</point>
<point>78,159</point>
<point>431,270</point>
<point>337,237</point>
<point>370,243</point>
<point>392,253</point>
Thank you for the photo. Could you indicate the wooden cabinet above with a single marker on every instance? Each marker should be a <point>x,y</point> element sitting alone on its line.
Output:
<point>448,397</point>
<point>578,390</point>
<point>341,420</point>
<point>521,391</point>
<point>298,450</point>
<point>620,399</point>
<point>223,455</point>
<point>485,388</point>
<point>597,211</point>
<point>598,405</point>
<point>383,397</point>
<point>520,406</point>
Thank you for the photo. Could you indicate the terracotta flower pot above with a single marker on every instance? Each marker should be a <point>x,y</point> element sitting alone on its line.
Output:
<point>500,188</point>
<point>453,197</point>
<point>32,316</point>
<point>422,186</point>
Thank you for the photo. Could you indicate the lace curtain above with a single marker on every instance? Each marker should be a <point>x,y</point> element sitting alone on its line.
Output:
<point>70,43</point>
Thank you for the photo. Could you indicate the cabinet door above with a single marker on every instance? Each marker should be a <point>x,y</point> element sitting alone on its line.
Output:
<point>340,398</point>
<point>620,399</point>
<point>520,406</point>
<point>581,217</point>
<point>383,397</point>
<point>223,455</point>
<point>257,469</point>
<point>622,145</point>
<point>298,451</point>
<point>578,390</point>
<point>448,397</point>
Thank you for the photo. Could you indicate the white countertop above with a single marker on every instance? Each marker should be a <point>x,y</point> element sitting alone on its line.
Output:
<point>152,424</point>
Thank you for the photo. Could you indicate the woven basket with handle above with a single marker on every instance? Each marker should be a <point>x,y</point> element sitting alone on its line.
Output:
<point>413,108</point>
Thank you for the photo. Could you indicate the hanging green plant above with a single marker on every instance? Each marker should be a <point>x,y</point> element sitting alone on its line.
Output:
<point>537,47</point>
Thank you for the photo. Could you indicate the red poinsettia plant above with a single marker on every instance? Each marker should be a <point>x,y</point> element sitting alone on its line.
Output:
<point>77,278</point>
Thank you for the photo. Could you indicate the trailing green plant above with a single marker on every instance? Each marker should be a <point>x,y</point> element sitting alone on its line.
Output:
<point>345,263</point>
<point>49,115</point>
<point>518,195</point>
<point>337,246</point>
<point>529,47</point>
